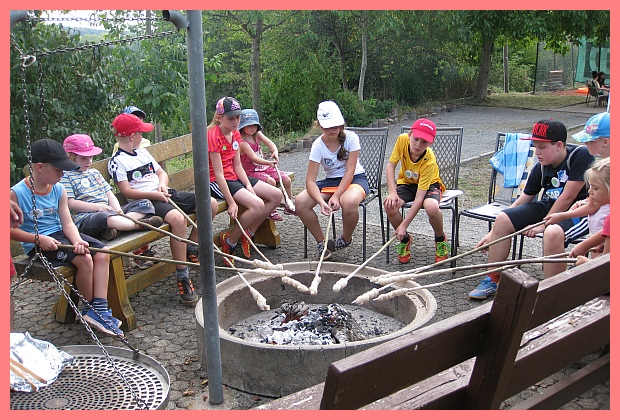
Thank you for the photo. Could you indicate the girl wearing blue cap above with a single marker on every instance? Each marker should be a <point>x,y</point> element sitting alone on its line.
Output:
<point>253,161</point>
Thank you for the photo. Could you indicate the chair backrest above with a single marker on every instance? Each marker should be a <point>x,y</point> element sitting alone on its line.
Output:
<point>447,148</point>
<point>373,142</point>
<point>507,195</point>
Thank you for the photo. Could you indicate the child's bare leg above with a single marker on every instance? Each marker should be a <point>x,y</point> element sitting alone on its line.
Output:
<point>213,211</point>
<point>305,209</point>
<point>255,211</point>
<point>101,270</point>
<point>122,223</point>
<point>271,197</point>
<point>84,275</point>
<point>287,187</point>
<point>435,218</point>
<point>349,203</point>
<point>394,216</point>
<point>178,227</point>
<point>553,243</point>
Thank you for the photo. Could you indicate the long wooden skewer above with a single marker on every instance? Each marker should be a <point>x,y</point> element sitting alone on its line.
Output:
<point>316,280</point>
<point>165,232</point>
<point>23,368</point>
<point>285,279</point>
<point>374,293</point>
<point>480,248</point>
<point>340,284</point>
<point>17,372</point>
<point>287,199</point>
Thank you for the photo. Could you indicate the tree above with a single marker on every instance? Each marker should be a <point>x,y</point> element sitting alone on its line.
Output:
<point>484,27</point>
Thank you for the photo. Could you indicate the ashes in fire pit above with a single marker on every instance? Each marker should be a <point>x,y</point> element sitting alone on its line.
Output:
<point>300,324</point>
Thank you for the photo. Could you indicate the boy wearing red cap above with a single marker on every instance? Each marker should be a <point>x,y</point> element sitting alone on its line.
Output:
<point>419,183</point>
<point>559,174</point>
<point>94,207</point>
<point>138,176</point>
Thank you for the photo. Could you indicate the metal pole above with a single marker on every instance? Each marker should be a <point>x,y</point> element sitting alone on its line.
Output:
<point>18,16</point>
<point>195,64</point>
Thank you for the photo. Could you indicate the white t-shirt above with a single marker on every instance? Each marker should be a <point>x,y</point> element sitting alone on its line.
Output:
<point>328,160</point>
<point>138,167</point>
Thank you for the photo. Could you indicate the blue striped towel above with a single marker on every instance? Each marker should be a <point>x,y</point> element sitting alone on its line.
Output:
<point>510,160</point>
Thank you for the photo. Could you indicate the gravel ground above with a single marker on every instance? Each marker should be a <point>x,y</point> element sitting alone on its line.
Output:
<point>166,328</point>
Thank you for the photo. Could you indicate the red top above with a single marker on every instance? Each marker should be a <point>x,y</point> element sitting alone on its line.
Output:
<point>606,227</point>
<point>219,144</point>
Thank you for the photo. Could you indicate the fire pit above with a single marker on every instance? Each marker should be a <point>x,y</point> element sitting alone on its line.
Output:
<point>275,370</point>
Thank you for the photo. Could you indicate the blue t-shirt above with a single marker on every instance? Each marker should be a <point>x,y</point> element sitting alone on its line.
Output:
<point>48,220</point>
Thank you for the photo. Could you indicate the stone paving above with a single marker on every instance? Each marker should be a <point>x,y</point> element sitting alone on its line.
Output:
<point>166,327</point>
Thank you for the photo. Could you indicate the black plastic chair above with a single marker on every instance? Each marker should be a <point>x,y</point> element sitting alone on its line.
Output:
<point>373,142</point>
<point>447,148</point>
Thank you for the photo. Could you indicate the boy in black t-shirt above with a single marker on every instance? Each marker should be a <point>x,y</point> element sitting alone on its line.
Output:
<point>559,174</point>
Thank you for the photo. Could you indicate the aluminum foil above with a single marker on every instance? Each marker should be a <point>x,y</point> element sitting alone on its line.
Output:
<point>41,357</point>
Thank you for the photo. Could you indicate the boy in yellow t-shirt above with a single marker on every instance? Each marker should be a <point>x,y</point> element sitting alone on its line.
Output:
<point>419,183</point>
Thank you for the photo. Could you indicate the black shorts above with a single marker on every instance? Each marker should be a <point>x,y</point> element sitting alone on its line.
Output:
<point>185,200</point>
<point>530,213</point>
<point>407,192</point>
<point>233,186</point>
<point>65,256</point>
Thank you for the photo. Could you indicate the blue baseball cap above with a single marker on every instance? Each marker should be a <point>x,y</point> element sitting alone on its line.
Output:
<point>135,111</point>
<point>249,117</point>
<point>596,127</point>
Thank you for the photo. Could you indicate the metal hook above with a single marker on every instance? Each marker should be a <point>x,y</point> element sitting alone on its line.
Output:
<point>28,60</point>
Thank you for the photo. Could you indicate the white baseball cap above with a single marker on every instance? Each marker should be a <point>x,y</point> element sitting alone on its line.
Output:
<point>329,115</point>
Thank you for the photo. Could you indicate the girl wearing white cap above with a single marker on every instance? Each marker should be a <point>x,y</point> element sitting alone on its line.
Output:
<point>345,184</point>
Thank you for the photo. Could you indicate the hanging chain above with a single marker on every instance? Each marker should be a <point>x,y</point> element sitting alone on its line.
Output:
<point>42,114</point>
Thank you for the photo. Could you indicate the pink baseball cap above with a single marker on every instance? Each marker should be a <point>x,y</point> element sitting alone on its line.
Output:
<point>424,129</point>
<point>81,144</point>
<point>127,124</point>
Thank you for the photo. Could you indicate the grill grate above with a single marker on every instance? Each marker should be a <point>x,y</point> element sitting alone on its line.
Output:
<point>91,383</point>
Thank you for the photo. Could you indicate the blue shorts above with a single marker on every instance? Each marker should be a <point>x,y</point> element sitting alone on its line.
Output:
<point>359,179</point>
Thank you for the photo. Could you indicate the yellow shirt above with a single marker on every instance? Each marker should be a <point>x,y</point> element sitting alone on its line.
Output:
<point>424,172</point>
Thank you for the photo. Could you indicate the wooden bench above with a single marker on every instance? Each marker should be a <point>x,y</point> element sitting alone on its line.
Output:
<point>169,153</point>
<point>481,357</point>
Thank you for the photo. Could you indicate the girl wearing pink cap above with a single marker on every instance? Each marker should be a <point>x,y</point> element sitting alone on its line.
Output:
<point>94,207</point>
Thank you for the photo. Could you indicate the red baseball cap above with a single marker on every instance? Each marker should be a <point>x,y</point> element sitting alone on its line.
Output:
<point>424,129</point>
<point>81,144</point>
<point>127,124</point>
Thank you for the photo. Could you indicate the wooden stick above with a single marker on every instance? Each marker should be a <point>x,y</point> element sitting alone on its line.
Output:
<point>172,235</point>
<point>21,375</point>
<point>258,298</point>
<point>316,280</point>
<point>415,276</point>
<point>28,371</point>
<point>340,284</point>
<point>480,248</point>
<point>287,200</point>
<point>189,219</point>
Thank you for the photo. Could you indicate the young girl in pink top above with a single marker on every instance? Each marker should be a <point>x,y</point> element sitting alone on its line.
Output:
<point>255,164</point>
<point>230,182</point>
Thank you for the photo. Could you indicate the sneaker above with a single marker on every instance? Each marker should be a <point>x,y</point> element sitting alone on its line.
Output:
<point>319,249</point>
<point>288,210</point>
<point>226,249</point>
<point>442,250</point>
<point>142,264</point>
<point>245,244</point>
<point>102,323</point>
<point>403,250</point>
<point>114,321</point>
<point>485,289</point>
<point>154,221</point>
<point>192,254</point>
<point>275,216</point>
<point>186,290</point>
<point>109,234</point>
<point>338,244</point>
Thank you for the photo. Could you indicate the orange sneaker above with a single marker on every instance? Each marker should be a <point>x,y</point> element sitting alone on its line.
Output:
<point>245,244</point>
<point>226,249</point>
<point>403,250</point>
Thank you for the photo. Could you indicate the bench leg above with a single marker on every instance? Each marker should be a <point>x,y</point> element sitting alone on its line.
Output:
<point>62,312</point>
<point>118,298</point>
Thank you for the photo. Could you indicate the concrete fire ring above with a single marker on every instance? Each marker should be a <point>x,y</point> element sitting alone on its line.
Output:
<point>277,370</point>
